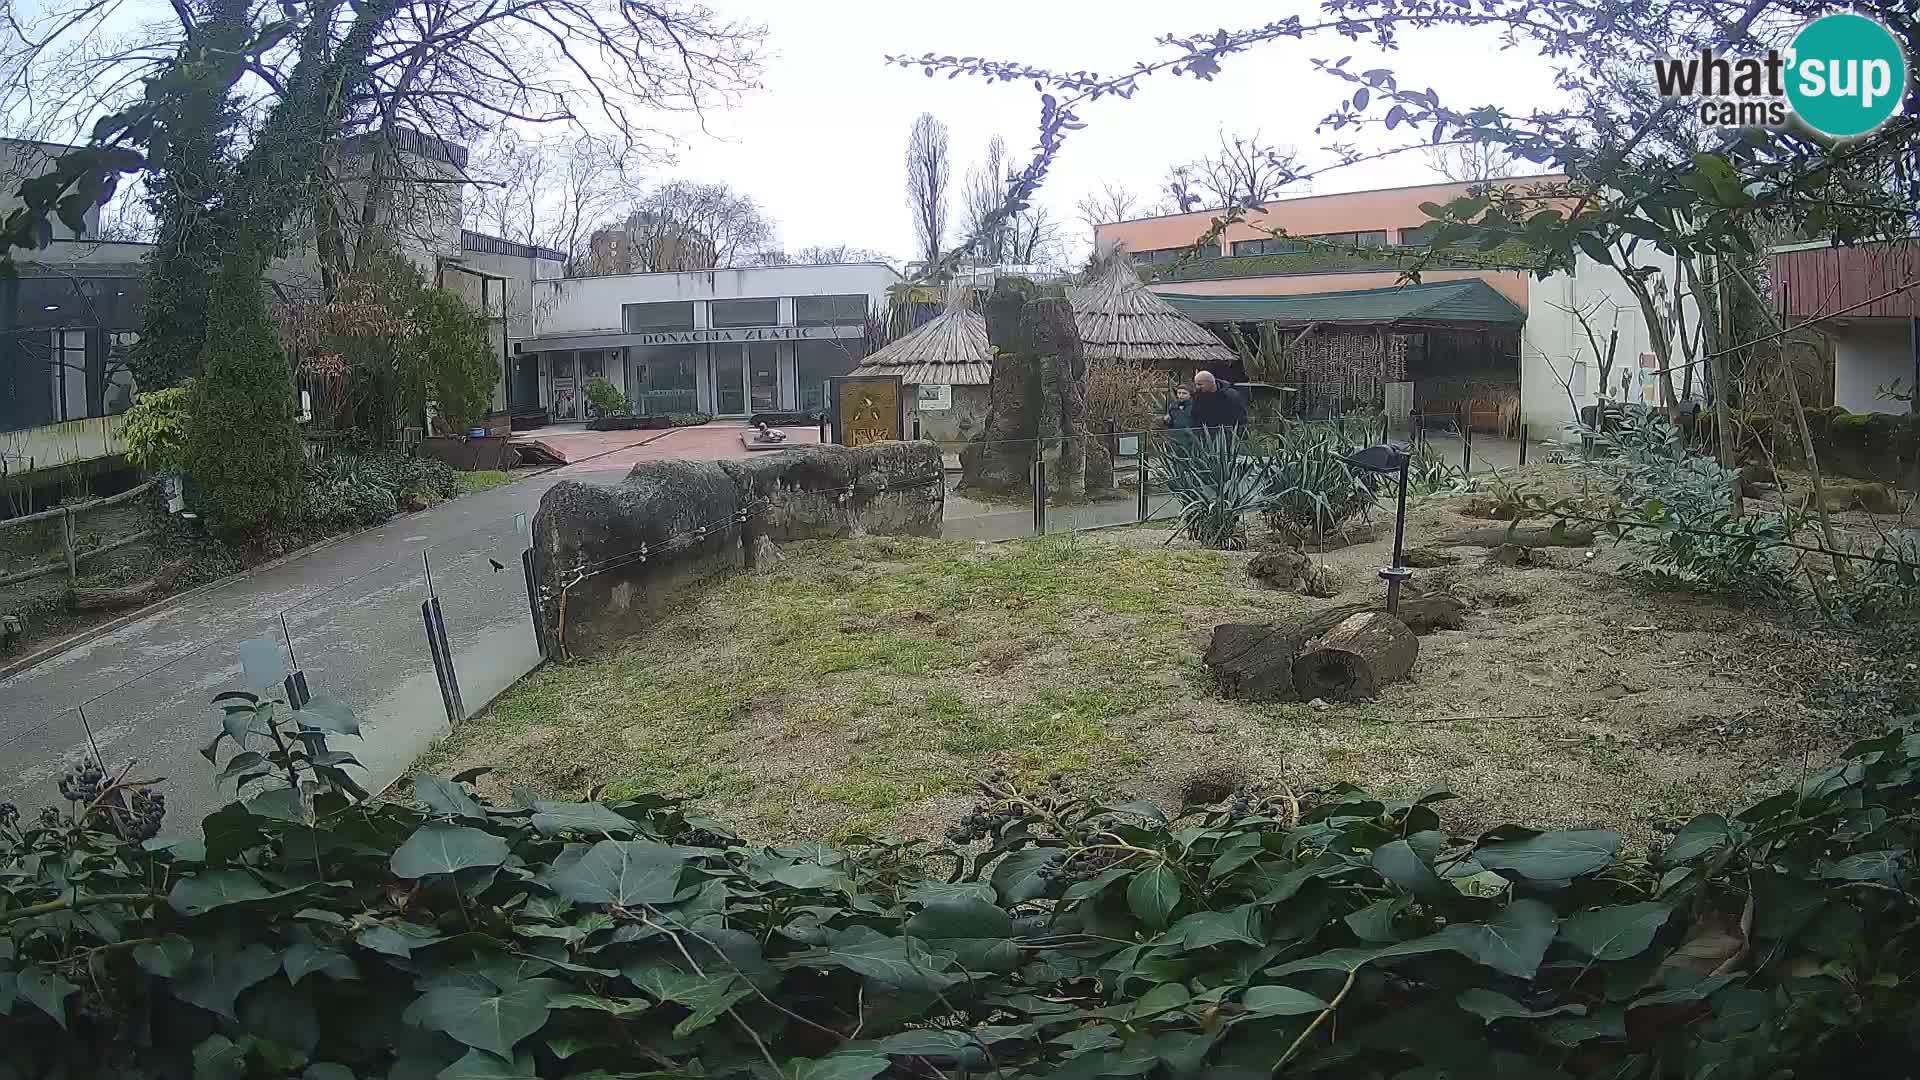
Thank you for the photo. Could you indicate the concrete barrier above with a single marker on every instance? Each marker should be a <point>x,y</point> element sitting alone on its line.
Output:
<point>609,560</point>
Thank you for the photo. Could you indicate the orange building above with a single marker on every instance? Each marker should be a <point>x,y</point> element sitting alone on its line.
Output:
<point>1502,346</point>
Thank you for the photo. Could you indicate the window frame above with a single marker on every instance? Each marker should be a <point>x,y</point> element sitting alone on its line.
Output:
<point>714,306</point>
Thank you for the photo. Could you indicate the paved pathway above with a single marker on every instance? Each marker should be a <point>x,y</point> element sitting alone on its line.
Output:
<point>351,613</point>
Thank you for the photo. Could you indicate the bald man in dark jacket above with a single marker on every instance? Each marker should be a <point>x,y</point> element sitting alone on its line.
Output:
<point>1216,404</point>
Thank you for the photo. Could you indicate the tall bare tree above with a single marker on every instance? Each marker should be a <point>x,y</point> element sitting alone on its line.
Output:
<point>981,199</point>
<point>685,225</point>
<point>1113,202</point>
<point>1471,162</point>
<point>821,255</point>
<point>1244,171</point>
<point>929,169</point>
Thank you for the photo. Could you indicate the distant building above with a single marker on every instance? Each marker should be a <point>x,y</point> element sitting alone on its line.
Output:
<point>1866,299</point>
<point>648,243</point>
<point>1480,336</point>
<point>721,342</point>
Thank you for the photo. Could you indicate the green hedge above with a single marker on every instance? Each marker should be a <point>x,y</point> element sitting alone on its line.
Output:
<point>1333,933</point>
<point>1508,256</point>
<point>243,439</point>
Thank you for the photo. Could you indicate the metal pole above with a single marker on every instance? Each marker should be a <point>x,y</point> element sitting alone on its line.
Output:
<point>1140,468</point>
<point>916,427</point>
<point>1523,444</point>
<point>442,656</point>
<point>1039,493</point>
<point>1466,444</point>
<point>1398,572</point>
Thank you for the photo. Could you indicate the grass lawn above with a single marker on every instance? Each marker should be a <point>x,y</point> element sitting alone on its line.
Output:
<point>482,479</point>
<point>857,685</point>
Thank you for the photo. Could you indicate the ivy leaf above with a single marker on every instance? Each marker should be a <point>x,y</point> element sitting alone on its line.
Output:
<point>46,990</point>
<point>1490,1005</point>
<point>397,939</point>
<point>219,976</point>
<point>248,762</point>
<point>327,715</point>
<point>1153,894</point>
<point>1696,838</point>
<point>438,848</point>
<point>1615,933</point>
<point>719,995</point>
<point>1281,1001</point>
<point>167,958</point>
<point>1375,921</point>
<point>305,958</point>
<point>214,889</point>
<point>838,1067</point>
<point>1400,864</point>
<point>1017,877</point>
<point>218,1058</point>
<point>1513,944</point>
<point>966,918</point>
<point>611,1006</point>
<point>327,1070</point>
<point>479,1065</point>
<point>445,797</point>
<point>1551,856</point>
<point>623,872</point>
<point>583,817</point>
<point>492,1019</point>
<point>894,961</point>
<point>1204,928</point>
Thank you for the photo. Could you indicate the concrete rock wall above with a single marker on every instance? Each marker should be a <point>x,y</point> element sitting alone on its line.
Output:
<point>701,520</point>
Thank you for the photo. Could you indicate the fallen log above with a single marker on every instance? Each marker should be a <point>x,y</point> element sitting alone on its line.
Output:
<point>1355,658</point>
<point>1255,661</point>
<point>1530,537</point>
<point>144,592</point>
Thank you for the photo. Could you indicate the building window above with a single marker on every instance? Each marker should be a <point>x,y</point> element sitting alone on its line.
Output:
<point>117,387</point>
<point>661,379</point>
<point>829,310</point>
<point>1272,245</point>
<point>67,375</point>
<point>657,318</point>
<point>815,362</point>
<point>1158,255</point>
<point>1373,238</point>
<point>1419,237</point>
<point>722,314</point>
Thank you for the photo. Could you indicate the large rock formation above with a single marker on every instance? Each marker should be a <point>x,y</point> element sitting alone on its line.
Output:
<point>607,560</point>
<point>1038,400</point>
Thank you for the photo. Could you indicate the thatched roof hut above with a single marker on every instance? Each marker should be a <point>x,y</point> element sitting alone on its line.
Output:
<point>950,348</point>
<point>1121,320</point>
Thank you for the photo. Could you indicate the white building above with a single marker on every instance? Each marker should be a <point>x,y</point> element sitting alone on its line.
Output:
<point>721,342</point>
<point>1559,365</point>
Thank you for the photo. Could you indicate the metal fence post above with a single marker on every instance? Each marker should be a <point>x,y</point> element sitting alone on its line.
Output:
<point>66,541</point>
<point>442,659</point>
<point>1039,491</point>
<point>533,602</point>
<point>1523,444</point>
<point>1140,468</point>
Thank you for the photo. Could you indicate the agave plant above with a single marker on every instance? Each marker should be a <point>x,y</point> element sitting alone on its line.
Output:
<point>1218,482</point>
<point>1317,493</point>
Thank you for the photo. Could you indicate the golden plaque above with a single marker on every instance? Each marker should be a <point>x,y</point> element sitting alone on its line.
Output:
<point>869,411</point>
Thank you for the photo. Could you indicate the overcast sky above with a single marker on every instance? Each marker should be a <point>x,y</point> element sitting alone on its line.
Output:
<point>822,146</point>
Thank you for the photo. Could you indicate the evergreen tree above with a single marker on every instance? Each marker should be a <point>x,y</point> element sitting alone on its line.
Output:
<point>243,445</point>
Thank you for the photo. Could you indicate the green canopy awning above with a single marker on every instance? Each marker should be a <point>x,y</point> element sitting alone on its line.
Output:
<point>1470,302</point>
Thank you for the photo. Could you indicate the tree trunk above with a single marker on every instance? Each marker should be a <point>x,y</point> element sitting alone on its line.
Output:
<point>1355,658</point>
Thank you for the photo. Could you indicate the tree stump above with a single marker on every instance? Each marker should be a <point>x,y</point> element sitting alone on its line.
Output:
<point>144,592</point>
<point>1353,659</point>
<point>1258,661</point>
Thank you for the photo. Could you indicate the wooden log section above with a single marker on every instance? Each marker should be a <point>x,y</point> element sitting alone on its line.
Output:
<point>1355,658</point>
<point>1530,537</point>
<point>1257,661</point>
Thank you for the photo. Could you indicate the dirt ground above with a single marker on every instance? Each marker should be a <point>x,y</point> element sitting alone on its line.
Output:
<point>857,686</point>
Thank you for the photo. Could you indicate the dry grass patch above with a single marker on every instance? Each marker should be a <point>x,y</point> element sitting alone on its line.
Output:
<point>857,685</point>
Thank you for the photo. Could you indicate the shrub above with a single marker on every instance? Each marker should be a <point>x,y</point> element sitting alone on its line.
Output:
<point>605,399</point>
<point>688,419</point>
<point>1316,492</point>
<point>455,354</point>
<point>243,443</point>
<point>1330,933</point>
<point>156,429</point>
<point>358,489</point>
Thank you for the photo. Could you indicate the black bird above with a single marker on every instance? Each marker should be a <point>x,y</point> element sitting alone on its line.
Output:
<point>497,564</point>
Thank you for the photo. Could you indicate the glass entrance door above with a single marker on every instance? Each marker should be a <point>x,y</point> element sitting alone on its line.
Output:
<point>763,376</point>
<point>729,380</point>
<point>562,390</point>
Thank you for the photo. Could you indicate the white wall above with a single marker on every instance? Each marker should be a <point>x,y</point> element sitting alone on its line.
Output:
<point>587,305</point>
<point>1868,355</point>
<point>1554,349</point>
